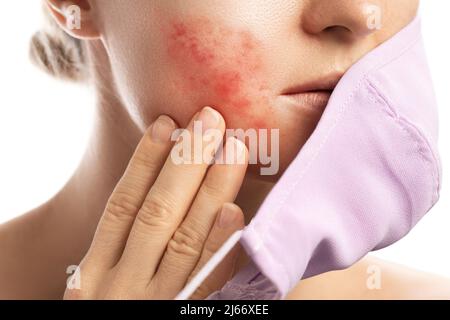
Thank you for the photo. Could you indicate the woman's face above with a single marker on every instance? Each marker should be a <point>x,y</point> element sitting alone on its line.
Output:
<point>246,58</point>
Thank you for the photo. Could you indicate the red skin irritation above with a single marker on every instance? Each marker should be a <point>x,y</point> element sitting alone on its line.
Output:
<point>221,63</point>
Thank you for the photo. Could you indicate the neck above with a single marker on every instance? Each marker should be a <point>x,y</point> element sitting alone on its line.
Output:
<point>80,204</point>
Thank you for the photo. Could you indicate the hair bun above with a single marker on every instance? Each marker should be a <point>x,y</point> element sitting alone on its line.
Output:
<point>58,54</point>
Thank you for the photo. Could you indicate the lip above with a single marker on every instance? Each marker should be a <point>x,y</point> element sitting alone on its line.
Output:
<point>315,101</point>
<point>324,83</point>
<point>313,95</point>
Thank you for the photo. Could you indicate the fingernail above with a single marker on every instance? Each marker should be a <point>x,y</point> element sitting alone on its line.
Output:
<point>162,129</point>
<point>209,118</point>
<point>237,153</point>
<point>227,216</point>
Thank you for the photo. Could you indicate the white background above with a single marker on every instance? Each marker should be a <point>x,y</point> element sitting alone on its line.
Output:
<point>45,123</point>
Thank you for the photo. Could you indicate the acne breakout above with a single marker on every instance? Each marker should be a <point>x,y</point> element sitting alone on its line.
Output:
<point>220,64</point>
<point>226,65</point>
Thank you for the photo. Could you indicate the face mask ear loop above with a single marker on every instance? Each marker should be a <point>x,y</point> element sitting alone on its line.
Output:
<point>209,267</point>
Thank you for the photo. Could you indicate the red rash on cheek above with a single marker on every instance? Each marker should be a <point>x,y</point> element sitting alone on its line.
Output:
<point>221,64</point>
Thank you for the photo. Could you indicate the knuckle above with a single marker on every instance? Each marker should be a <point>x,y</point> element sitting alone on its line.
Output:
<point>211,246</point>
<point>122,206</point>
<point>155,212</point>
<point>145,161</point>
<point>186,242</point>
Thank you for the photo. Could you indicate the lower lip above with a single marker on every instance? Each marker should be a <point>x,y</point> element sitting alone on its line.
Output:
<point>315,101</point>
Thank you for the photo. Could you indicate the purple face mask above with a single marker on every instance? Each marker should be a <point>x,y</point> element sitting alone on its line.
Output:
<point>366,176</point>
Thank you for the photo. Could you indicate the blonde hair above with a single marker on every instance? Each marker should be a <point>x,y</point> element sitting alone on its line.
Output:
<point>57,53</point>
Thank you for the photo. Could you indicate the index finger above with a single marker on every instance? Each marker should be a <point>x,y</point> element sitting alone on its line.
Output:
<point>129,194</point>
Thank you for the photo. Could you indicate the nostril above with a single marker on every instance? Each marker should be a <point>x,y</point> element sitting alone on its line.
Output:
<point>347,19</point>
<point>335,28</point>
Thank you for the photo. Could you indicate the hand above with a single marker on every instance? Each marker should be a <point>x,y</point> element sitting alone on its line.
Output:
<point>164,221</point>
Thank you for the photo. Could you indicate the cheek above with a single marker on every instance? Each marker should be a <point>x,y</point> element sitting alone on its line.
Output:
<point>221,65</point>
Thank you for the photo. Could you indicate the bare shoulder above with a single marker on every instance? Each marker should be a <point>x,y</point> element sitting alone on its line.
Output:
<point>373,278</point>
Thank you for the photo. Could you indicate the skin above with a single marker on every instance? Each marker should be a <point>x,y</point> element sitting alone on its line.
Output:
<point>172,58</point>
<point>236,56</point>
<point>180,236</point>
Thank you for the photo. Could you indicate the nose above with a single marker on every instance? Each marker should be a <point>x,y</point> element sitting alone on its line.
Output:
<point>350,18</point>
